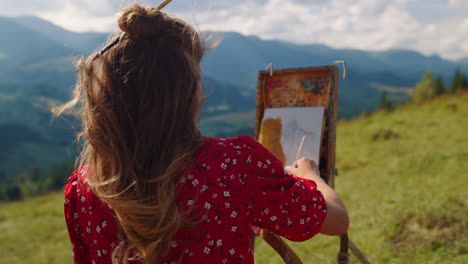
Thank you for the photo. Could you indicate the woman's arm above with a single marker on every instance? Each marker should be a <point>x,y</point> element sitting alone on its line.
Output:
<point>80,251</point>
<point>336,221</point>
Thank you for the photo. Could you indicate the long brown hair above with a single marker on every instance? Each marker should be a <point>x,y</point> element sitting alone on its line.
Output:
<point>140,102</point>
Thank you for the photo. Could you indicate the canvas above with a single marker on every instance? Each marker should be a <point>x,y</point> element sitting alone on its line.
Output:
<point>283,128</point>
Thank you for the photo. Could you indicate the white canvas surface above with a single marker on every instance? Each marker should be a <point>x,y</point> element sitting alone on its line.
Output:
<point>297,122</point>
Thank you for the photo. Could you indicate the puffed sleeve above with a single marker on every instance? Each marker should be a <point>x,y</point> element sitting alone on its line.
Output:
<point>280,202</point>
<point>80,251</point>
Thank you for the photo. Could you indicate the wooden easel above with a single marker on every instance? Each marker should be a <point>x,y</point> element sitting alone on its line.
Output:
<point>305,87</point>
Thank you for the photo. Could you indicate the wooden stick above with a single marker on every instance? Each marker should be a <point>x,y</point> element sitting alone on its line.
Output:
<point>358,253</point>
<point>163,4</point>
<point>285,252</point>
<point>300,149</point>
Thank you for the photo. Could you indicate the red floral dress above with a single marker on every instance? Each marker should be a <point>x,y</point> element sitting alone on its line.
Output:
<point>236,184</point>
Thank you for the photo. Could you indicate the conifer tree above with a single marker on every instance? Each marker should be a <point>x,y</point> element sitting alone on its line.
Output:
<point>459,81</point>
<point>439,86</point>
<point>385,102</point>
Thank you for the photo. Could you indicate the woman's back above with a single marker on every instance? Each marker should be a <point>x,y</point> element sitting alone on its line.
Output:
<point>233,184</point>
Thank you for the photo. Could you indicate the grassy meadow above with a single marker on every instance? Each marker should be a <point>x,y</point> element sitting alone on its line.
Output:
<point>402,174</point>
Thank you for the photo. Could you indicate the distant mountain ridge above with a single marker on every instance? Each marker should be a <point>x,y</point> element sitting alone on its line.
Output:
<point>79,42</point>
<point>37,51</point>
<point>20,45</point>
<point>254,53</point>
<point>238,59</point>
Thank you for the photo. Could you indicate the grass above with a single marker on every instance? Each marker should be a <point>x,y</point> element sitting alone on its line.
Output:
<point>402,177</point>
<point>34,231</point>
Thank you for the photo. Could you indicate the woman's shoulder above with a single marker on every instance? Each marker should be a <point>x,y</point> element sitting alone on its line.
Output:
<point>237,153</point>
<point>78,188</point>
<point>78,179</point>
<point>78,194</point>
<point>239,142</point>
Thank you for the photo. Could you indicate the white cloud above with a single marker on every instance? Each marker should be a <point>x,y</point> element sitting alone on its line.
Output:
<point>27,7</point>
<point>458,3</point>
<point>78,16</point>
<point>362,24</point>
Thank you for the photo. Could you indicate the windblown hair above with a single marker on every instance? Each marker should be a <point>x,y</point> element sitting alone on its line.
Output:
<point>140,103</point>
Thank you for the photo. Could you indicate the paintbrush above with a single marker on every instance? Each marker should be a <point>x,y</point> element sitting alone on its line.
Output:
<point>300,149</point>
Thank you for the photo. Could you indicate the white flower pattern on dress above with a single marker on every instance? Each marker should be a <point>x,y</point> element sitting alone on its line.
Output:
<point>236,184</point>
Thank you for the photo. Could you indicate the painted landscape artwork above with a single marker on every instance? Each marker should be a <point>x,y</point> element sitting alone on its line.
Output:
<point>282,129</point>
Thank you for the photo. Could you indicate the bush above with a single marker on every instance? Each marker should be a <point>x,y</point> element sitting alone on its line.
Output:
<point>13,192</point>
<point>426,89</point>
<point>33,183</point>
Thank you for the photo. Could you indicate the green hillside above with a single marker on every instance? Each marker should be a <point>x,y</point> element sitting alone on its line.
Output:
<point>29,132</point>
<point>402,176</point>
<point>30,137</point>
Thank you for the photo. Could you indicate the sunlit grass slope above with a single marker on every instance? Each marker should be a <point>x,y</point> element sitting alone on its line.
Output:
<point>34,232</point>
<point>403,176</point>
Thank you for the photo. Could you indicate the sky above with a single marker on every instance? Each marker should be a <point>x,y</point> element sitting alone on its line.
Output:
<point>428,26</point>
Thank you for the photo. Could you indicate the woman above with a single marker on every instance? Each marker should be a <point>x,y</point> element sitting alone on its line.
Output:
<point>151,189</point>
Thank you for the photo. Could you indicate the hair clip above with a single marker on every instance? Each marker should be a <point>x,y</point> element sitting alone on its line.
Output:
<point>113,43</point>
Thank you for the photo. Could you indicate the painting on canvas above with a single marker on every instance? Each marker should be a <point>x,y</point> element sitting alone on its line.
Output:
<point>282,130</point>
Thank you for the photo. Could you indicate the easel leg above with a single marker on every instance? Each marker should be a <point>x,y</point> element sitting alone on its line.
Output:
<point>357,252</point>
<point>343,256</point>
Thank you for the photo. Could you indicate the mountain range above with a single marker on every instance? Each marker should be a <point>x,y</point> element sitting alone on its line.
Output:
<point>40,51</point>
<point>37,72</point>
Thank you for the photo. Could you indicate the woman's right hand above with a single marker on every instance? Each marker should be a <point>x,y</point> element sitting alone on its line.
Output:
<point>304,168</point>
